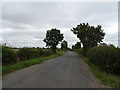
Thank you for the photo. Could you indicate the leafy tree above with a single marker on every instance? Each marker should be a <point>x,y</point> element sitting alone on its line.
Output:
<point>52,39</point>
<point>89,35</point>
<point>102,44</point>
<point>64,45</point>
<point>73,46</point>
<point>76,46</point>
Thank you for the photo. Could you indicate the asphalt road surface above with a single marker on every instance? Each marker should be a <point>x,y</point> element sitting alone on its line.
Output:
<point>67,71</point>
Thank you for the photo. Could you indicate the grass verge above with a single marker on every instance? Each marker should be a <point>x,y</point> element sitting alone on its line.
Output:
<point>10,68</point>
<point>105,78</point>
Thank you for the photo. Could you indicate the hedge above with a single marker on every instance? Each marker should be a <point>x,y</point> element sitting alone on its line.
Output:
<point>27,53</point>
<point>8,55</point>
<point>106,57</point>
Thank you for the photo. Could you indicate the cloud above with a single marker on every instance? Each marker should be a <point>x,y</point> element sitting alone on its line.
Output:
<point>113,37</point>
<point>26,23</point>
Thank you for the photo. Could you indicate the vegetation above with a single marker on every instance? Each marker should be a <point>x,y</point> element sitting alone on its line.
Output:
<point>14,59</point>
<point>76,46</point>
<point>64,45</point>
<point>28,53</point>
<point>40,51</point>
<point>8,55</point>
<point>12,56</point>
<point>89,35</point>
<point>9,68</point>
<point>106,78</point>
<point>47,52</point>
<point>0,55</point>
<point>52,39</point>
<point>103,59</point>
<point>106,57</point>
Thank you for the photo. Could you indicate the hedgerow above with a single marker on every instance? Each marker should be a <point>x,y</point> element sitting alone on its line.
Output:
<point>106,57</point>
<point>8,55</point>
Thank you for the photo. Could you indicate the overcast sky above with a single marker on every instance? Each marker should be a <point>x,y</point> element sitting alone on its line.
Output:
<point>26,23</point>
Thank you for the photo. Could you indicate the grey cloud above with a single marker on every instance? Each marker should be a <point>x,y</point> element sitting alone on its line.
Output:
<point>57,14</point>
<point>112,38</point>
<point>13,25</point>
<point>26,23</point>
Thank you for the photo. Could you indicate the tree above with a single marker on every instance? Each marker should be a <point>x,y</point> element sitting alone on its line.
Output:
<point>64,45</point>
<point>89,35</point>
<point>102,44</point>
<point>52,39</point>
<point>76,46</point>
<point>73,47</point>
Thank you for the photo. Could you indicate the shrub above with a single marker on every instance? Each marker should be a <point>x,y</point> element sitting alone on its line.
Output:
<point>47,52</point>
<point>8,55</point>
<point>40,51</point>
<point>0,55</point>
<point>81,51</point>
<point>28,53</point>
<point>58,49</point>
<point>106,57</point>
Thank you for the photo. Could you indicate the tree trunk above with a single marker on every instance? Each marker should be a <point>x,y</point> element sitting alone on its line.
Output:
<point>54,49</point>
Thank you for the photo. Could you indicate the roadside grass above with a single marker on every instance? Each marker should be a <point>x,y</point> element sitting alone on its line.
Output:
<point>10,68</point>
<point>105,78</point>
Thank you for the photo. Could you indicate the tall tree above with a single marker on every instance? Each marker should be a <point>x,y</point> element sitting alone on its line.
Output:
<point>64,45</point>
<point>52,39</point>
<point>89,35</point>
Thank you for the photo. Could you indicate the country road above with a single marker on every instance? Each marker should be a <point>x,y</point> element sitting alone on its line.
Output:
<point>67,71</point>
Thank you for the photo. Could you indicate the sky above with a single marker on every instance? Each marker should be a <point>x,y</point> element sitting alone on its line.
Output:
<point>26,23</point>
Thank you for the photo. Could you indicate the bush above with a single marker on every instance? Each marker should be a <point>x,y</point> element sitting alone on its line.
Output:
<point>81,51</point>
<point>40,51</point>
<point>58,49</point>
<point>8,55</point>
<point>0,55</point>
<point>47,52</point>
<point>106,57</point>
<point>28,53</point>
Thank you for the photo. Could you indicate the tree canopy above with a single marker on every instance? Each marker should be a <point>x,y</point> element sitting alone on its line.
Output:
<point>52,39</point>
<point>88,35</point>
<point>64,45</point>
<point>76,46</point>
